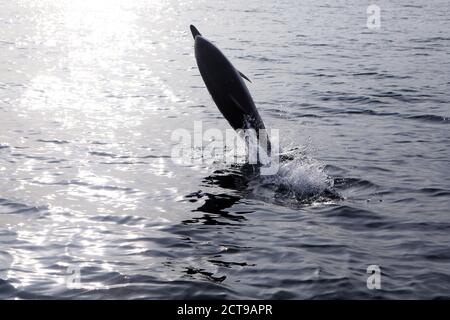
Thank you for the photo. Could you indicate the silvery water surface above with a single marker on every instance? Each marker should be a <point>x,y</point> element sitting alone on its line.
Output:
<point>92,205</point>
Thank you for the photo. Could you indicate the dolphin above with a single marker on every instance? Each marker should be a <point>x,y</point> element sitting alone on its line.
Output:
<point>228,90</point>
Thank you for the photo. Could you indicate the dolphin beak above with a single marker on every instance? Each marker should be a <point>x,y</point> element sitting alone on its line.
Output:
<point>194,31</point>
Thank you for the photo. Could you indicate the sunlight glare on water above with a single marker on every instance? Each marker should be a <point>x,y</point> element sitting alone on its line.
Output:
<point>91,92</point>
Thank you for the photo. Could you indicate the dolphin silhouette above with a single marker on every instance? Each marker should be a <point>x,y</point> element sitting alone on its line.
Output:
<point>228,90</point>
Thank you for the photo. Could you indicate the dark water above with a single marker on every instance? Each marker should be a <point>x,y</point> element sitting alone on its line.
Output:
<point>92,205</point>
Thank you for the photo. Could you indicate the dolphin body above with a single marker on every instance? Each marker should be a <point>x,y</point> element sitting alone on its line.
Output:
<point>228,90</point>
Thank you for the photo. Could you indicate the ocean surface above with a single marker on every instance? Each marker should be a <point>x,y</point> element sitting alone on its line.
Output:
<point>93,205</point>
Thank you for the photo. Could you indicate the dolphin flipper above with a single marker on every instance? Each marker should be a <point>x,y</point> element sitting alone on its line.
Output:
<point>241,106</point>
<point>236,102</point>
<point>228,91</point>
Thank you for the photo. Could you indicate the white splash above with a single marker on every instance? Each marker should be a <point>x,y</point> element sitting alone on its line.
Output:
<point>299,176</point>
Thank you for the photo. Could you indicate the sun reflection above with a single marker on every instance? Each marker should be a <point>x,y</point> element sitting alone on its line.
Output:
<point>94,84</point>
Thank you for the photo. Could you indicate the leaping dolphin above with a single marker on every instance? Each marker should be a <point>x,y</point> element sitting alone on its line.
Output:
<point>228,90</point>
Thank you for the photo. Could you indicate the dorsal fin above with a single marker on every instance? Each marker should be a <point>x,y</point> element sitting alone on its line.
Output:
<point>244,76</point>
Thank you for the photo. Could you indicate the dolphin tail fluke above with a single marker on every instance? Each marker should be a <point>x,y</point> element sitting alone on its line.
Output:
<point>194,31</point>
